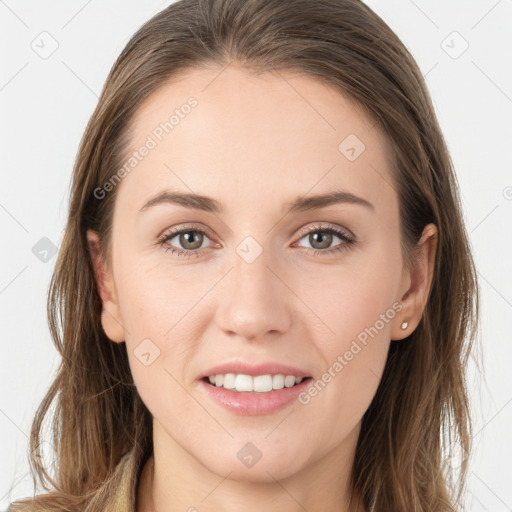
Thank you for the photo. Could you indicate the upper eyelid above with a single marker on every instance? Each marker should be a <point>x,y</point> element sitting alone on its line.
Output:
<point>171,232</point>
<point>329,226</point>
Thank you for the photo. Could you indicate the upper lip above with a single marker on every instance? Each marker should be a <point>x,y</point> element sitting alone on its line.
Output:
<point>264,368</point>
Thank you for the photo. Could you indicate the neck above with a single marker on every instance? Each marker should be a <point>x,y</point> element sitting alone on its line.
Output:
<point>172,479</point>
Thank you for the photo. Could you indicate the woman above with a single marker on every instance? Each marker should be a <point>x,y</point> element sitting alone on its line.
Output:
<point>264,296</point>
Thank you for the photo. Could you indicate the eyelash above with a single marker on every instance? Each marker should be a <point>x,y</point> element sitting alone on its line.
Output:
<point>347,239</point>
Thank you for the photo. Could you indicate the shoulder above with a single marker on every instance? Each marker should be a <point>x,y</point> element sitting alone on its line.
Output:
<point>118,492</point>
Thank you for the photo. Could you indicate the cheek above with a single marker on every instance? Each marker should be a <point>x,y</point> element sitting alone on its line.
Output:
<point>155,300</point>
<point>160,310</point>
<point>157,362</point>
<point>358,305</point>
<point>354,297</point>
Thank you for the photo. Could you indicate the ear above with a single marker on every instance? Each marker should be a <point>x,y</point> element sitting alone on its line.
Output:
<point>110,313</point>
<point>416,283</point>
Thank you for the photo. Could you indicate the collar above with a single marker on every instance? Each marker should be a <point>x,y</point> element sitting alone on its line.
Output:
<point>119,492</point>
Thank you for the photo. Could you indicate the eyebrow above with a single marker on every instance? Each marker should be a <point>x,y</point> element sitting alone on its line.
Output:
<point>300,204</point>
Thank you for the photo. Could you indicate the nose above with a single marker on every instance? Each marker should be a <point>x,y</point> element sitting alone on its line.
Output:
<point>255,299</point>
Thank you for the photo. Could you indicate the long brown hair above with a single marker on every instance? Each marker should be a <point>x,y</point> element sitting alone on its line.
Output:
<point>421,409</point>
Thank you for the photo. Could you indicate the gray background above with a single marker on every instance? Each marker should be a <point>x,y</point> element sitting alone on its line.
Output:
<point>46,101</point>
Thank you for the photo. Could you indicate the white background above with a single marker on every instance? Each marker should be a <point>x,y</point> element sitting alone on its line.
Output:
<point>46,103</point>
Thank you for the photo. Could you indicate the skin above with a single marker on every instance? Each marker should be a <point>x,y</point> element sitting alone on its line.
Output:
<point>254,143</point>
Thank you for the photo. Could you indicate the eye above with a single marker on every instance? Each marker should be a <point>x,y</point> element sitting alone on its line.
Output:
<point>321,238</point>
<point>190,238</point>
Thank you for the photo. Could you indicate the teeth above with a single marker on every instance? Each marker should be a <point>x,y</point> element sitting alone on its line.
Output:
<point>278,381</point>
<point>229,380</point>
<point>244,383</point>
<point>260,383</point>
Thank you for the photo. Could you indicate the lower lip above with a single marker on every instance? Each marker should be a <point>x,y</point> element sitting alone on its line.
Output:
<point>254,403</point>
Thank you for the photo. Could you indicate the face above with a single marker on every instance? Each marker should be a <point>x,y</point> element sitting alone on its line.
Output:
<point>245,278</point>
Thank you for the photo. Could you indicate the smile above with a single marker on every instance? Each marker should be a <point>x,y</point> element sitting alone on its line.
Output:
<point>258,383</point>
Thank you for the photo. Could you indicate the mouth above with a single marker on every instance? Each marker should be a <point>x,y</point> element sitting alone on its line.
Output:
<point>259,384</point>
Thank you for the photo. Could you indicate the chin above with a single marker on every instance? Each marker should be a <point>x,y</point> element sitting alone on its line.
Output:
<point>275,466</point>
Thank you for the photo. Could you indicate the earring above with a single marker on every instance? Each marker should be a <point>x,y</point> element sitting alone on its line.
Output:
<point>404,325</point>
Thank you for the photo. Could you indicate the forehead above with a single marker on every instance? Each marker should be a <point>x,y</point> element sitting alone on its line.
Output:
<point>279,133</point>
